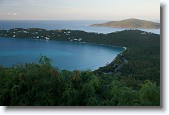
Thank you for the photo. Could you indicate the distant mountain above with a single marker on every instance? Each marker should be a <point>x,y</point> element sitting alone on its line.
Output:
<point>130,23</point>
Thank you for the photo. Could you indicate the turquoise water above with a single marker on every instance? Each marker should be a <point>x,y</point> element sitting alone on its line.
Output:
<point>64,55</point>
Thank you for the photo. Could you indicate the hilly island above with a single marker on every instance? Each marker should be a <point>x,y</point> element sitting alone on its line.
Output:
<point>130,23</point>
<point>131,79</point>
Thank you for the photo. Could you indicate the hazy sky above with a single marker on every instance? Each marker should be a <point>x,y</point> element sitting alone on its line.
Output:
<point>79,9</point>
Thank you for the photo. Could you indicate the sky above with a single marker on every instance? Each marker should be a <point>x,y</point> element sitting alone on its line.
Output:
<point>79,9</point>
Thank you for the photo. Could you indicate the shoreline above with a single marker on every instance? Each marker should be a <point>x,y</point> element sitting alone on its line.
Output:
<point>86,38</point>
<point>85,43</point>
<point>68,41</point>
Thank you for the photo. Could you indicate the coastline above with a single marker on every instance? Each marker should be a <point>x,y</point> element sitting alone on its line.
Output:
<point>86,43</point>
<point>89,38</point>
<point>68,42</point>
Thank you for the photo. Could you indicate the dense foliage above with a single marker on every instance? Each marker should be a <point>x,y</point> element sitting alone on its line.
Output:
<point>133,78</point>
<point>42,84</point>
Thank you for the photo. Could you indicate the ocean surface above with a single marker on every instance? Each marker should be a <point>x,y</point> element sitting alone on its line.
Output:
<point>65,24</point>
<point>64,55</point>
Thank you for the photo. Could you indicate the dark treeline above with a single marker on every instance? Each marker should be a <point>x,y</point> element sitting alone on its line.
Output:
<point>133,78</point>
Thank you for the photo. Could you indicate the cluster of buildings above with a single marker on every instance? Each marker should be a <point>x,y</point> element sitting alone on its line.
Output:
<point>40,34</point>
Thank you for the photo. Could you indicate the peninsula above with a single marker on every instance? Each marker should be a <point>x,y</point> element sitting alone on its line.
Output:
<point>130,23</point>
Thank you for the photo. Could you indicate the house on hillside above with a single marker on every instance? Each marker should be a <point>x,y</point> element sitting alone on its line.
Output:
<point>143,33</point>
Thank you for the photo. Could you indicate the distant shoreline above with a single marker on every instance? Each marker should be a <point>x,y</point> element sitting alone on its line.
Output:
<point>66,24</point>
<point>131,23</point>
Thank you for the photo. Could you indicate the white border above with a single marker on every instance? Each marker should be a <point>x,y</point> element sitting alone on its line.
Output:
<point>164,110</point>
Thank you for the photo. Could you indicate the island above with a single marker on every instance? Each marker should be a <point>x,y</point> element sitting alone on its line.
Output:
<point>132,79</point>
<point>130,23</point>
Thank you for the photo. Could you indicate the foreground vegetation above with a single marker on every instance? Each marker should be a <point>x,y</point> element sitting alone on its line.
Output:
<point>133,78</point>
<point>42,84</point>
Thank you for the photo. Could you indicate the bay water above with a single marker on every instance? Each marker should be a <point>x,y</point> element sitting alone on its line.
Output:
<point>64,55</point>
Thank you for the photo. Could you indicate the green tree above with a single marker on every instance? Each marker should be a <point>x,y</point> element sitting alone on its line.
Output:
<point>150,94</point>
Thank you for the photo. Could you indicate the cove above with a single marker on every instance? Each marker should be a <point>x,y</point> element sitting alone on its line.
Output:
<point>64,55</point>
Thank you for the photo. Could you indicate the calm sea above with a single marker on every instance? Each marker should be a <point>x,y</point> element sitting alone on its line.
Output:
<point>64,24</point>
<point>64,55</point>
